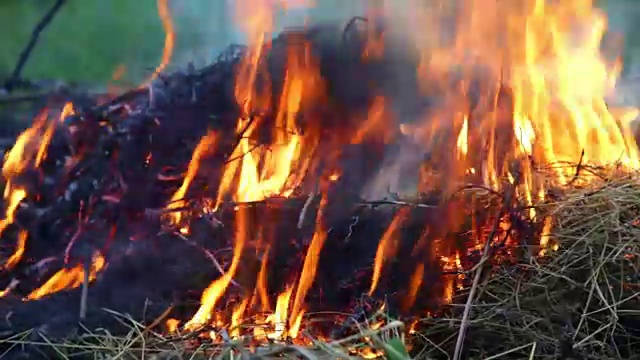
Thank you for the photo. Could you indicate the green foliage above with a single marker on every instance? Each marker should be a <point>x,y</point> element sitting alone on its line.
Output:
<point>395,349</point>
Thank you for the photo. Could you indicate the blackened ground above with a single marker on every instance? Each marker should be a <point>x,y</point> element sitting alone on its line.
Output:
<point>143,279</point>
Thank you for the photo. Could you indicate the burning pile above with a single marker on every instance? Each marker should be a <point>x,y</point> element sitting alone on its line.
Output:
<point>300,193</point>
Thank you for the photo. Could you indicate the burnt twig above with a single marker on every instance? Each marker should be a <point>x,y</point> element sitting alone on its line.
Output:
<point>398,203</point>
<point>578,168</point>
<point>26,52</point>
<point>350,25</point>
<point>208,254</point>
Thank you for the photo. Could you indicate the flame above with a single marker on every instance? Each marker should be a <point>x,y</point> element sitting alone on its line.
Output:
<point>31,145</point>
<point>206,144</point>
<point>551,81</point>
<point>463,138</point>
<point>309,267</point>
<point>375,121</point>
<point>414,286</point>
<point>236,318</point>
<point>279,318</point>
<point>172,325</point>
<point>214,292</point>
<point>387,247</point>
<point>17,254</point>
<point>15,196</point>
<point>541,102</point>
<point>545,237</point>
<point>261,284</point>
<point>25,149</point>
<point>277,170</point>
<point>169,40</point>
<point>66,279</point>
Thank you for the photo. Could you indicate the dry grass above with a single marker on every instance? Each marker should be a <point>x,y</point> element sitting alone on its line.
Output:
<point>141,342</point>
<point>580,301</point>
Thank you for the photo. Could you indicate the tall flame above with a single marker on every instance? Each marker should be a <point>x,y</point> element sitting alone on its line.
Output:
<point>169,40</point>
<point>214,292</point>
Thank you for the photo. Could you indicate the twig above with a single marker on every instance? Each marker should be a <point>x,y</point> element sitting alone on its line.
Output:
<point>208,254</point>
<point>397,202</point>
<point>82,221</point>
<point>303,212</point>
<point>159,319</point>
<point>578,168</point>
<point>85,287</point>
<point>307,204</point>
<point>476,280</point>
<point>26,52</point>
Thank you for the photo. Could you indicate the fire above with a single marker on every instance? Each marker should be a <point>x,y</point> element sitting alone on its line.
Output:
<point>172,325</point>
<point>541,102</point>
<point>214,292</point>
<point>169,40</point>
<point>387,248</point>
<point>463,138</point>
<point>19,251</point>
<point>279,318</point>
<point>546,103</point>
<point>309,269</point>
<point>15,196</point>
<point>66,279</point>
<point>25,149</point>
<point>178,199</point>
<point>548,55</point>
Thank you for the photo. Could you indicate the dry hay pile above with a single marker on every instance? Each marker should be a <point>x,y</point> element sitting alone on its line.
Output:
<point>578,302</point>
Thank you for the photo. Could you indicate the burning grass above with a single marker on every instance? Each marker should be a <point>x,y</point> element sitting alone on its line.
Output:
<point>579,301</point>
<point>375,336</point>
<point>244,208</point>
<point>576,299</point>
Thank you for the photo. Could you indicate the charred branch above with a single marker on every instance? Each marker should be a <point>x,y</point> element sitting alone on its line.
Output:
<point>14,79</point>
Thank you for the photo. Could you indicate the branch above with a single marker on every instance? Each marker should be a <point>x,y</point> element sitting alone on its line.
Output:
<point>26,52</point>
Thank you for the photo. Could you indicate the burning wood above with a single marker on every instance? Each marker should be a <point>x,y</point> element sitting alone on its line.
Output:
<point>239,203</point>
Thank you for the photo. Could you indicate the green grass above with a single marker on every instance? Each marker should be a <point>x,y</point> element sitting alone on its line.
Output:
<point>86,41</point>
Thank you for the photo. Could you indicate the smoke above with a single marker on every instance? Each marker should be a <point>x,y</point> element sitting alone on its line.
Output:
<point>205,27</point>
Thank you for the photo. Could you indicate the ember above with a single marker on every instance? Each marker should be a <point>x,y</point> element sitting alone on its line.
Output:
<point>336,189</point>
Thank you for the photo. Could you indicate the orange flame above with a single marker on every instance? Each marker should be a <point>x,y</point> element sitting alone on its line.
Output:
<point>279,318</point>
<point>309,267</point>
<point>206,144</point>
<point>25,149</point>
<point>547,54</point>
<point>214,292</point>
<point>261,284</point>
<point>169,40</point>
<point>19,251</point>
<point>66,279</point>
<point>15,197</point>
<point>387,247</point>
